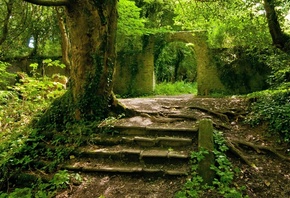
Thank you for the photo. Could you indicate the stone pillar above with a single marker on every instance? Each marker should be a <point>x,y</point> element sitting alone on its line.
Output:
<point>205,141</point>
<point>135,71</point>
<point>207,75</point>
<point>145,78</point>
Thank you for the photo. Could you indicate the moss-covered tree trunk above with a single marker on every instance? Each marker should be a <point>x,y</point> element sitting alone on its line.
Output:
<point>279,38</point>
<point>92,26</point>
<point>92,32</point>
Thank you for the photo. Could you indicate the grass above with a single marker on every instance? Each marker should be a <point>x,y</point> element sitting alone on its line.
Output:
<point>177,88</point>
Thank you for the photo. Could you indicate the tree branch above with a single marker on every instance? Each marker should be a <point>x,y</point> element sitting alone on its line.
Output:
<point>6,22</point>
<point>279,38</point>
<point>49,2</point>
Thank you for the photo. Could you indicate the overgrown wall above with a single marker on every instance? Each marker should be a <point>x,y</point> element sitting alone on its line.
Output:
<point>134,74</point>
<point>241,70</point>
<point>207,75</point>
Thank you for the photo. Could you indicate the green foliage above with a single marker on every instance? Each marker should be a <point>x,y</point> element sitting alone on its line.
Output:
<point>227,22</point>
<point>176,62</point>
<point>40,189</point>
<point>222,184</point>
<point>38,89</point>
<point>60,179</point>
<point>107,125</point>
<point>55,63</point>
<point>242,69</point>
<point>31,30</point>
<point>175,88</point>
<point>18,140</point>
<point>5,77</point>
<point>159,14</point>
<point>129,22</point>
<point>272,107</point>
<point>279,62</point>
<point>18,192</point>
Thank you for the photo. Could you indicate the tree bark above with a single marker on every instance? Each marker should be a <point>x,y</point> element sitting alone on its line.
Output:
<point>92,25</point>
<point>9,6</point>
<point>280,39</point>
<point>49,2</point>
<point>92,32</point>
<point>65,43</point>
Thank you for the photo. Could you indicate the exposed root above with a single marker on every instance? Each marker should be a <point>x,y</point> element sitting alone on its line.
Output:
<point>257,148</point>
<point>119,108</point>
<point>234,144</point>
<point>221,126</point>
<point>238,152</point>
<point>223,117</point>
<point>165,115</point>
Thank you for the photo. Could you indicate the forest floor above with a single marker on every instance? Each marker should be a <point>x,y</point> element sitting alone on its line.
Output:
<point>264,175</point>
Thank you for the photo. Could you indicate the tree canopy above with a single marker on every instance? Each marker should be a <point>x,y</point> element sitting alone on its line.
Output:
<point>57,26</point>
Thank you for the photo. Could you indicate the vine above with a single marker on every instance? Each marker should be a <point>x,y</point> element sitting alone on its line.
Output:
<point>225,172</point>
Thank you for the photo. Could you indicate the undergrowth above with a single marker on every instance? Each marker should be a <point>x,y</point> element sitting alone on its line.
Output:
<point>29,156</point>
<point>167,88</point>
<point>272,107</point>
<point>20,149</point>
<point>222,185</point>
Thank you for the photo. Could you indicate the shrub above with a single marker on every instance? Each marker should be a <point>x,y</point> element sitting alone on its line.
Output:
<point>274,109</point>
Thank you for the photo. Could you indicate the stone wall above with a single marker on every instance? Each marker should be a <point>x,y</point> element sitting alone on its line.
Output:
<point>207,75</point>
<point>134,73</point>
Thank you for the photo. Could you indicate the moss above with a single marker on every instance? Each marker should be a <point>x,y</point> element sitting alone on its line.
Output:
<point>244,73</point>
<point>59,113</point>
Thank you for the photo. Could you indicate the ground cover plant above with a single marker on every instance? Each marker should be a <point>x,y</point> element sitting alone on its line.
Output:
<point>224,170</point>
<point>20,105</point>
<point>180,87</point>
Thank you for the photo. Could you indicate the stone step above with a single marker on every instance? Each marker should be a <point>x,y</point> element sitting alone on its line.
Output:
<point>154,155</point>
<point>139,149</point>
<point>156,131</point>
<point>142,141</point>
<point>113,166</point>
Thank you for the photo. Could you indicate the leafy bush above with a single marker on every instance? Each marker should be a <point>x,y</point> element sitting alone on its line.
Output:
<point>19,106</point>
<point>5,77</point>
<point>279,62</point>
<point>222,184</point>
<point>273,108</point>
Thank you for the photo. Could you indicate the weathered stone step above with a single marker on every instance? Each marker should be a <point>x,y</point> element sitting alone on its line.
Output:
<point>127,167</point>
<point>149,155</point>
<point>157,131</point>
<point>142,141</point>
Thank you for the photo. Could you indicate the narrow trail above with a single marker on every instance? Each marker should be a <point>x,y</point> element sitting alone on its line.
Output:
<point>148,155</point>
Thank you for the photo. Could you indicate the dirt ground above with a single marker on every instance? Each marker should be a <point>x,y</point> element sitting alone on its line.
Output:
<point>270,178</point>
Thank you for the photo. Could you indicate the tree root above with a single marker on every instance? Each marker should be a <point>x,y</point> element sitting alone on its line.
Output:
<point>233,145</point>
<point>238,152</point>
<point>223,117</point>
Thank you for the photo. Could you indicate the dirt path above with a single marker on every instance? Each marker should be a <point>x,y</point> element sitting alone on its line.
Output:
<point>270,177</point>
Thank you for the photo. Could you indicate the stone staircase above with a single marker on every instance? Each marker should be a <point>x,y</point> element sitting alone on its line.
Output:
<point>139,150</point>
<point>158,141</point>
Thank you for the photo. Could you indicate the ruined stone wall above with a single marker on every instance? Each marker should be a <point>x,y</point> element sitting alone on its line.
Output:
<point>145,79</point>
<point>134,73</point>
<point>207,75</point>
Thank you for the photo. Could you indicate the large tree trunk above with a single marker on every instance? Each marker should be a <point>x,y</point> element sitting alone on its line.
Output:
<point>92,26</point>
<point>65,43</point>
<point>92,32</point>
<point>280,39</point>
<point>4,29</point>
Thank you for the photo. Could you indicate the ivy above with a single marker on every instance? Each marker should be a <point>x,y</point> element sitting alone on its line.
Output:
<point>222,184</point>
